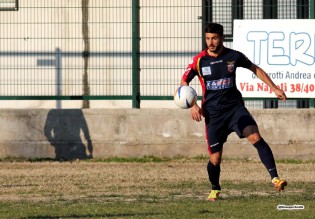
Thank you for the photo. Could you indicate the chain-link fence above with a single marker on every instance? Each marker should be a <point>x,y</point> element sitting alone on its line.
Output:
<point>116,51</point>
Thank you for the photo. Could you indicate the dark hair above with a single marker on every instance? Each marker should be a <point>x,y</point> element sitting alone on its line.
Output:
<point>214,28</point>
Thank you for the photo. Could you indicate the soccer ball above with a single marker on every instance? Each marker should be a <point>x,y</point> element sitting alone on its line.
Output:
<point>185,97</point>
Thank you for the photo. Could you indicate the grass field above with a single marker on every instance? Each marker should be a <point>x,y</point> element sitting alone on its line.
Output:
<point>151,188</point>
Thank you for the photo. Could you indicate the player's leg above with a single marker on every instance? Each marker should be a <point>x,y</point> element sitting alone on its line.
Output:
<point>263,149</point>
<point>266,157</point>
<point>214,170</point>
<point>247,127</point>
<point>216,135</point>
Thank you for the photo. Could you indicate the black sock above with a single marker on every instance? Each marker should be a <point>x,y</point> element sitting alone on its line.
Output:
<point>214,175</point>
<point>266,157</point>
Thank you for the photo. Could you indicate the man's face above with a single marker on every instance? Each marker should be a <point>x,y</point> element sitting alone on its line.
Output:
<point>214,42</point>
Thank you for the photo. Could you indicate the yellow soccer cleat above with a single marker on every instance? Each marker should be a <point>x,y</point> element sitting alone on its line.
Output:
<point>214,195</point>
<point>279,184</point>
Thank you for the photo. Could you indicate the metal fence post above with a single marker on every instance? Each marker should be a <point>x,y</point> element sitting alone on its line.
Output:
<point>135,54</point>
<point>58,76</point>
<point>312,9</point>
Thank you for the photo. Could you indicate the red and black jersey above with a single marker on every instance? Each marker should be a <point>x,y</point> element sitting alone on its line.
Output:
<point>217,78</point>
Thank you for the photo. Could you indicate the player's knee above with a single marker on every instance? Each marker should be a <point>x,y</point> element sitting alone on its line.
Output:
<point>254,138</point>
<point>215,158</point>
<point>216,163</point>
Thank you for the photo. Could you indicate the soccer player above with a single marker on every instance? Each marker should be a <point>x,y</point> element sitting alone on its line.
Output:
<point>222,104</point>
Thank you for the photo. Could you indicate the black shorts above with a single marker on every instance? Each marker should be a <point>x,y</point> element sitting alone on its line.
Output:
<point>219,126</point>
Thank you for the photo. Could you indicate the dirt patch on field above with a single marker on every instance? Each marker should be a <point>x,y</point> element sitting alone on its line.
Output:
<point>47,181</point>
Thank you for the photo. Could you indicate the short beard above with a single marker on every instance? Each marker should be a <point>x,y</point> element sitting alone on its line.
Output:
<point>217,49</point>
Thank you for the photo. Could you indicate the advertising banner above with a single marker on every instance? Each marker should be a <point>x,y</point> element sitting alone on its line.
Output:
<point>285,49</point>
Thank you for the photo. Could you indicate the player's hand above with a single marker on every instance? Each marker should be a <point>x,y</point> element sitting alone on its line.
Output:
<point>280,94</point>
<point>196,113</point>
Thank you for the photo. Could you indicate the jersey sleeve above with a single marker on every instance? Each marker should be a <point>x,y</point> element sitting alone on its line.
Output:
<point>191,70</point>
<point>244,61</point>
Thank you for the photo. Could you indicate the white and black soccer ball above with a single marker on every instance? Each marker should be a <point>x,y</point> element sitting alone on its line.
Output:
<point>185,97</point>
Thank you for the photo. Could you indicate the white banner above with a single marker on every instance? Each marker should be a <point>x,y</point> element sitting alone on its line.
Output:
<point>285,49</point>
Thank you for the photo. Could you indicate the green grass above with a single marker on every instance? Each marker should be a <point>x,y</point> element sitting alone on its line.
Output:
<point>242,207</point>
<point>159,199</point>
<point>248,203</point>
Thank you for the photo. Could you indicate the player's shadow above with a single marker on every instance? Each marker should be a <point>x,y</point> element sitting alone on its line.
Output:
<point>67,131</point>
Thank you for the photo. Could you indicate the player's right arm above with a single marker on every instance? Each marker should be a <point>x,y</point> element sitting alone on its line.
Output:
<point>190,73</point>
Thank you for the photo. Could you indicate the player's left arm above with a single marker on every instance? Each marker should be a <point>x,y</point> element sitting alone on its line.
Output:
<point>261,74</point>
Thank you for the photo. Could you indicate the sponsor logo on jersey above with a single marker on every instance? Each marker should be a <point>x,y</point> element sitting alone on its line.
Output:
<point>219,84</point>
<point>206,70</point>
<point>216,62</point>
